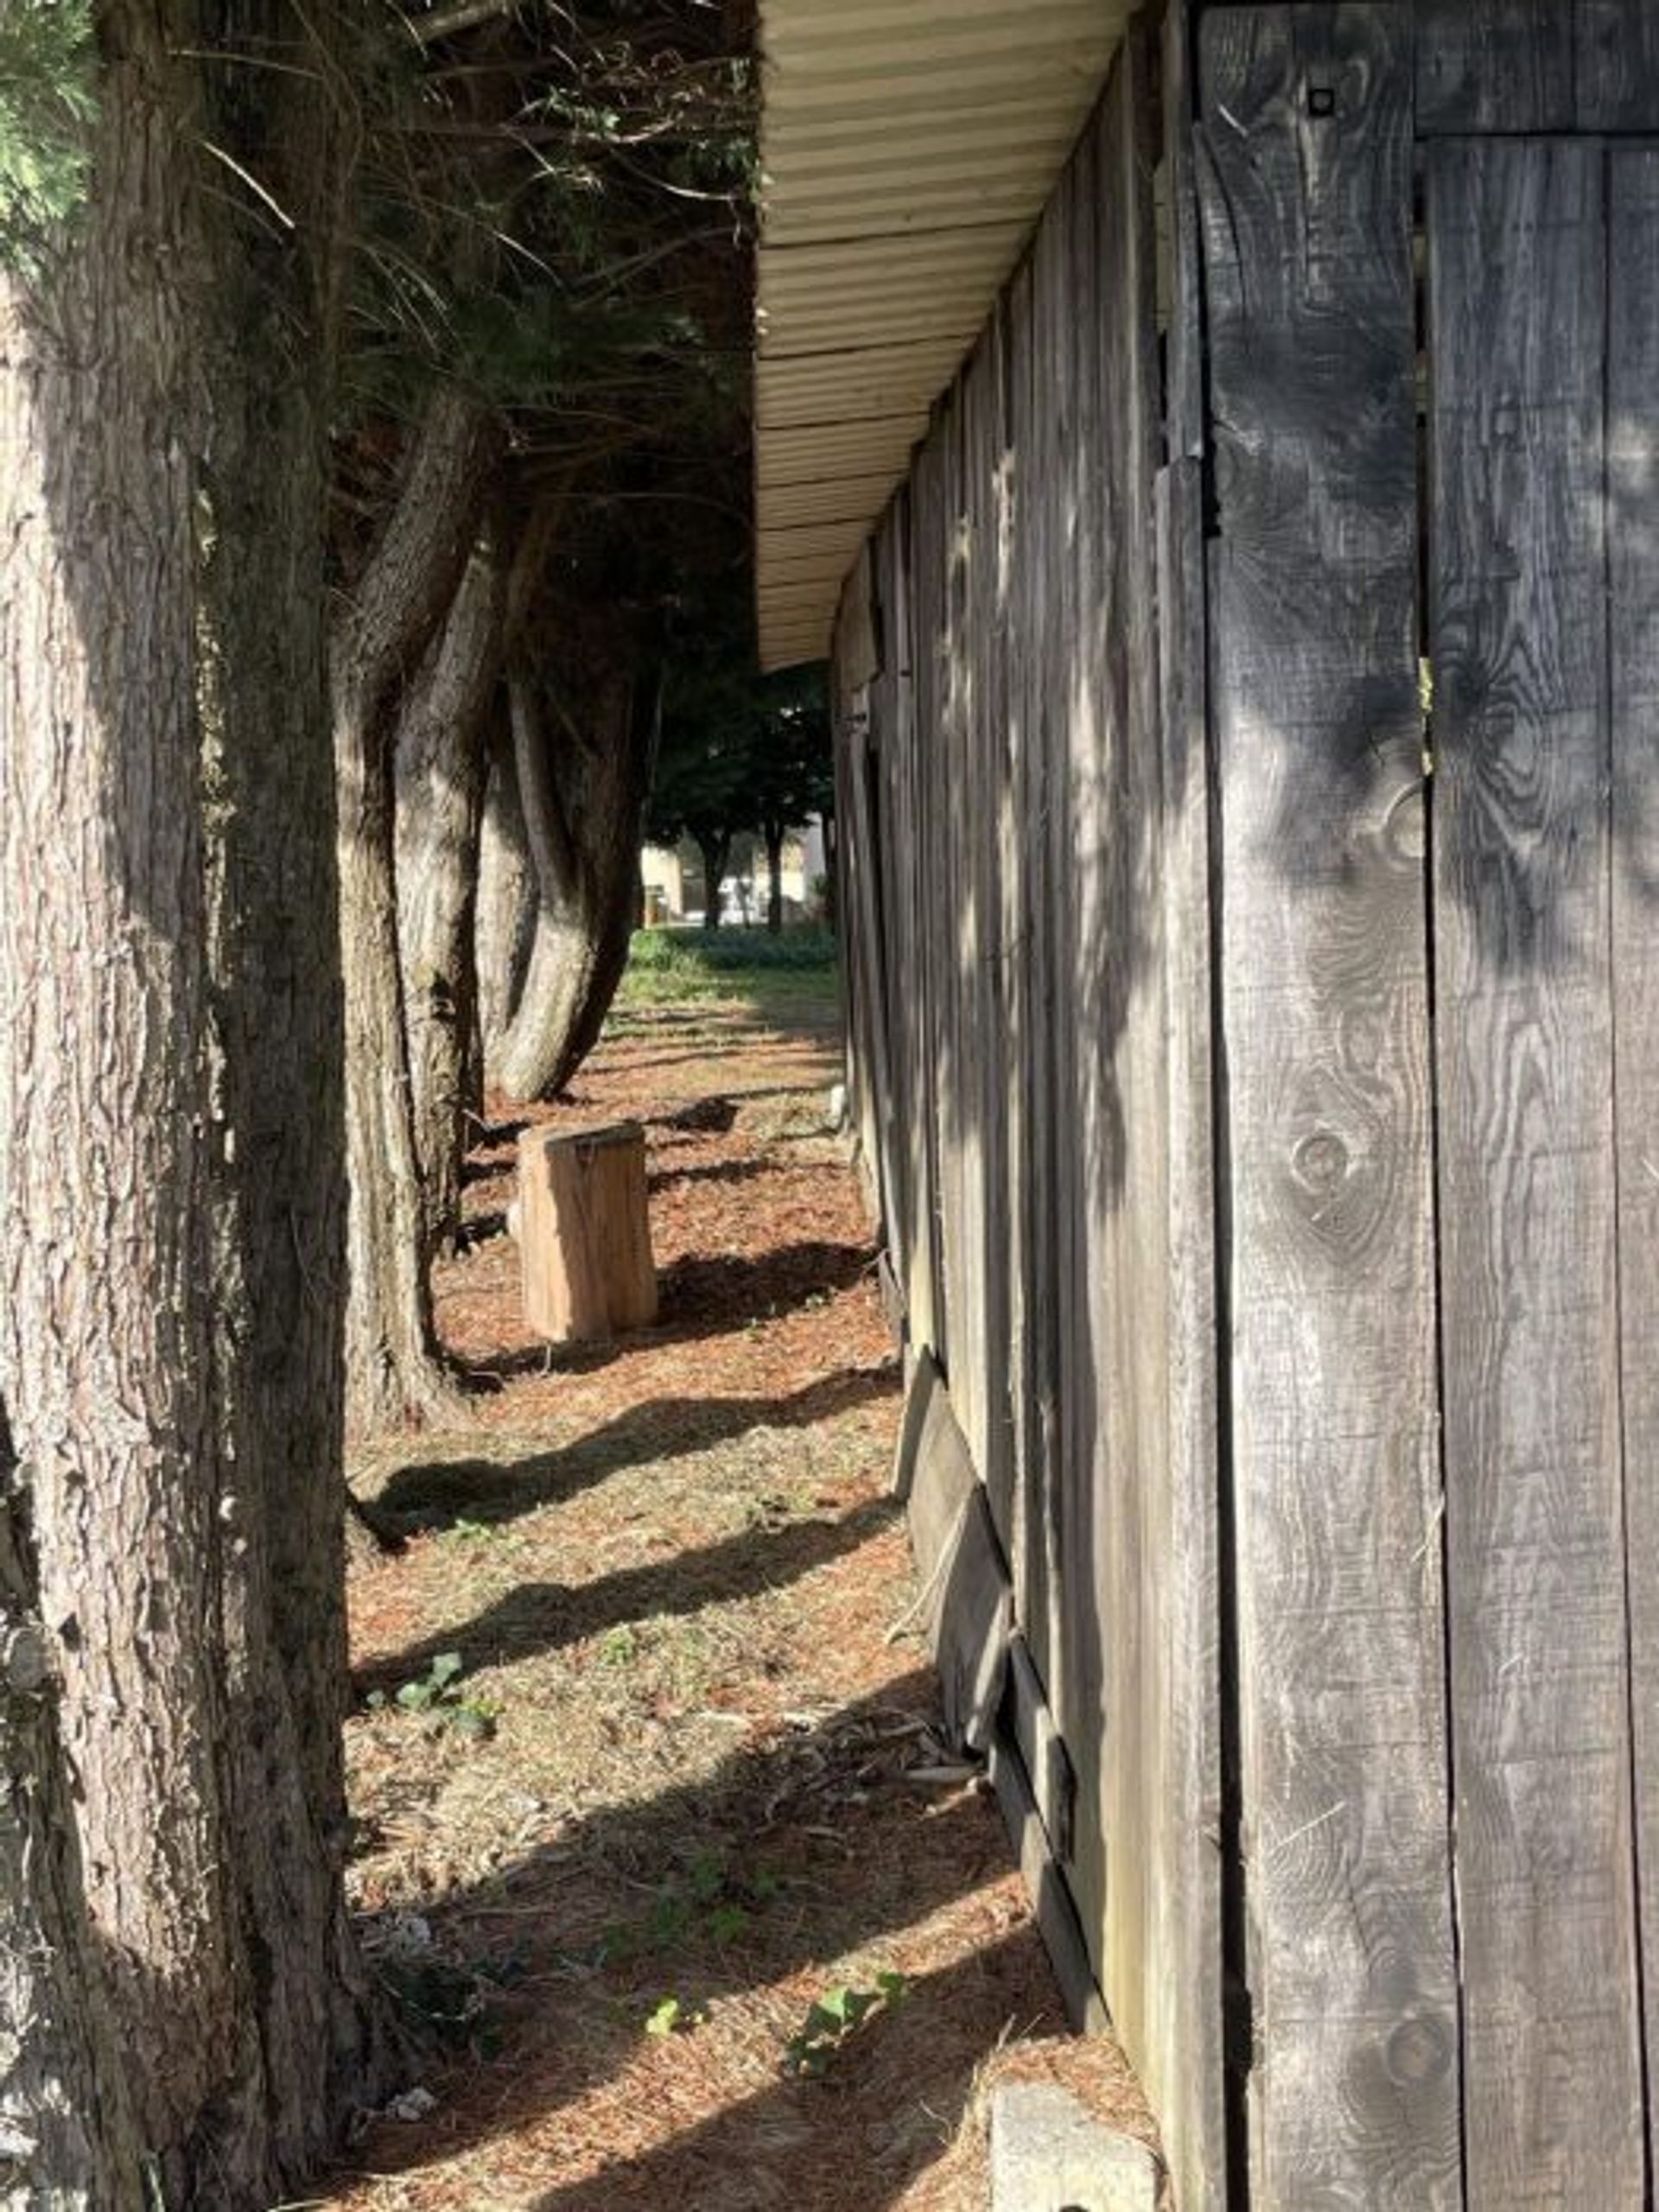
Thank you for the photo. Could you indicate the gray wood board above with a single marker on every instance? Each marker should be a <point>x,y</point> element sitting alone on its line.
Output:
<point>1051,1901</point>
<point>1120,1389</point>
<point>1184,430</point>
<point>965,1595</point>
<point>1186,1936</point>
<point>1493,65</point>
<point>1617,65</point>
<point>1036,1735</point>
<point>1306,199</point>
<point>1541,1724</point>
<point>1633,627</point>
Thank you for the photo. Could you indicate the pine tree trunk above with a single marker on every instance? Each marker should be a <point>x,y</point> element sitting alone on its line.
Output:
<point>67,2136</point>
<point>169,1370</point>
<point>583,803</point>
<point>505,923</point>
<point>439,789</point>
<point>393,1372</point>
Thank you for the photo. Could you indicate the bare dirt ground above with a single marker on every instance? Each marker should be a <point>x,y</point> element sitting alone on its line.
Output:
<point>644,1765</point>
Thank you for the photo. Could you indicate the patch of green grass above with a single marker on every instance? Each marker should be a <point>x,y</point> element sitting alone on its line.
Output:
<point>791,973</point>
<point>716,951</point>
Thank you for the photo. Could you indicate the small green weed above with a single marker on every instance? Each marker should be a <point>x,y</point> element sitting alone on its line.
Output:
<point>619,1646</point>
<point>672,2017</point>
<point>463,1531</point>
<point>434,1694</point>
<point>709,1902</point>
<point>834,2018</point>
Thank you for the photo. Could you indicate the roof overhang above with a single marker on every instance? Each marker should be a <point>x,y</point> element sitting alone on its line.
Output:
<point>906,150</point>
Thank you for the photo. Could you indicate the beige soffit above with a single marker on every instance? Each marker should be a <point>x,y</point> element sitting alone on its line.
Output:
<point>906,149</point>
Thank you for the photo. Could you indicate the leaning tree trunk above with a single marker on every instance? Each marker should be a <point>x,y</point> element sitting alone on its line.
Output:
<point>440,788</point>
<point>170,1373</point>
<point>67,2136</point>
<point>393,1371</point>
<point>504,922</point>
<point>583,803</point>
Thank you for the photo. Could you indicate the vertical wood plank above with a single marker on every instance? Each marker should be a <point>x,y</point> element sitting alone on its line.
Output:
<point>1185,1937</point>
<point>1540,1732</point>
<point>1184,432</point>
<point>1633,628</point>
<point>1022,881</point>
<point>1306,192</point>
<point>1119,1591</point>
<point>1081,888</point>
<point>883,694</point>
<point>927,559</point>
<point>910,985</point>
<point>1617,65</point>
<point>1493,65</point>
<point>1052,1197</point>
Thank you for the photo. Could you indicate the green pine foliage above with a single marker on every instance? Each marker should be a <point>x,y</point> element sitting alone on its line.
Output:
<point>48,103</point>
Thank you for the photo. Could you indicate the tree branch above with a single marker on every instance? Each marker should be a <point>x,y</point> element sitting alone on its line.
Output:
<point>446,22</point>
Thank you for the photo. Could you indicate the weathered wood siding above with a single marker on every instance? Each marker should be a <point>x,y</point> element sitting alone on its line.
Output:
<point>1045,1048</point>
<point>1265,999</point>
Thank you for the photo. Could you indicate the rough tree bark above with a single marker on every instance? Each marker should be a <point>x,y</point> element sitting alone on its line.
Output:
<point>505,923</point>
<point>440,769</point>
<point>169,1370</point>
<point>583,797</point>
<point>67,2136</point>
<point>392,1368</point>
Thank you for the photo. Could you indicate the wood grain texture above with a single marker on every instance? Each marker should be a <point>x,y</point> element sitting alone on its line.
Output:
<point>1617,65</point>
<point>1493,65</point>
<point>1049,798</point>
<point>1183,428</point>
<point>966,1596</point>
<point>1184,2040</point>
<point>1028,1294</point>
<point>1633,629</point>
<point>1051,1901</point>
<point>1035,1732</point>
<point>1541,1724</point>
<point>1080,491</point>
<point>1118,998</point>
<point>1307,200</point>
<point>584,1232</point>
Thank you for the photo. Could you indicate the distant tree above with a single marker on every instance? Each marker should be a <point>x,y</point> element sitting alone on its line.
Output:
<point>793,774</point>
<point>740,751</point>
<point>701,789</point>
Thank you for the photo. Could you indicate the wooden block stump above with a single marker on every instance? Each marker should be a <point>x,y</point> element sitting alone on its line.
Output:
<point>584,1233</point>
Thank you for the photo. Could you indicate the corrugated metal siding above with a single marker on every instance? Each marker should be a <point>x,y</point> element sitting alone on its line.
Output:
<point>907,147</point>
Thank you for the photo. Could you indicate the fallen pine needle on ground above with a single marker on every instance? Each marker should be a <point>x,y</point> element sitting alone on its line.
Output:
<point>657,1842</point>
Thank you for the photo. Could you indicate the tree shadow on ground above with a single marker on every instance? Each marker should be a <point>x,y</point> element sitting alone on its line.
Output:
<point>548,1922</point>
<point>698,1297</point>
<point>435,1494</point>
<point>788,2145</point>
<point>540,1616</point>
<point>717,1171</point>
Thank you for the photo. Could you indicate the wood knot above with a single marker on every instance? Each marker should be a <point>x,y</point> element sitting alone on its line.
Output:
<point>1419,2050</point>
<point>1319,1162</point>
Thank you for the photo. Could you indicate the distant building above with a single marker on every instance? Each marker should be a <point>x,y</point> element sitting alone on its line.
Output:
<point>673,890</point>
